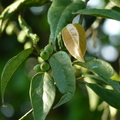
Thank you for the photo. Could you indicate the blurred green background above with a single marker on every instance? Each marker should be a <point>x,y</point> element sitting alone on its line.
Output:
<point>107,47</point>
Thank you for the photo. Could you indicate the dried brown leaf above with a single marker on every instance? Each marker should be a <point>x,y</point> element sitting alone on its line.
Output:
<point>75,40</point>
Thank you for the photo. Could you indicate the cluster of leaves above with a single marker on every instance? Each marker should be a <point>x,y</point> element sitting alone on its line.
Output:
<point>67,40</point>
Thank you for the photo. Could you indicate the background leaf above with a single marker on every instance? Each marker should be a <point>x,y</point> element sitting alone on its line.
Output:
<point>42,94</point>
<point>61,11</point>
<point>75,40</point>
<point>11,67</point>
<point>19,4</point>
<point>63,75</point>
<point>112,97</point>
<point>28,30</point>
<point>105,13</point>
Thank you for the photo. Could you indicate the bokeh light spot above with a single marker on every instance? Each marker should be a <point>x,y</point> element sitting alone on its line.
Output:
<point>111,27</point>
<point>109,53</point>
<point>8,111</point>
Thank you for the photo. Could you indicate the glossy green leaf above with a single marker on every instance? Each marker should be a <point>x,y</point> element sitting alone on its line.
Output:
<point>99,67</point>
<point>63,75</point>
<point>11,67</point>
<point>102,68</point>
<point>75,40</point>
<point>116,2</point>
<point>60,14</point>
<point>42,94</point>
<point>112,97</point>
<point>105,13</point>
<point>17,5</point>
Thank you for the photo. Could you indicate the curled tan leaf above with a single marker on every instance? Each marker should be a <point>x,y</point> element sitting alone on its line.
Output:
<point>75,40</point>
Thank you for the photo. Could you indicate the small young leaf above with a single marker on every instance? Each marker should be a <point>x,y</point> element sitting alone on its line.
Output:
<point>105,13</point>
<point>75,40</point>
<point>11,67</point>
<point>61,11</point>
<point>42,94</point>
<point>63,75</point>
<point>112,97</point>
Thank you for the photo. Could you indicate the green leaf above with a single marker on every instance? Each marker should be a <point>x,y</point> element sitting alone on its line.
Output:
<point>105,13</point>
<point>61,11</point>
<point>63,75</point>
<point>42,94</point>
<point>88,58</point>
<point>96,78</point>
<point>102,68</point>
<point>17,5</point>
<point>99,67</point>
<point>11,67</point>
<point>116,2</point>
<point>82,64</point>
<point>112,97</point>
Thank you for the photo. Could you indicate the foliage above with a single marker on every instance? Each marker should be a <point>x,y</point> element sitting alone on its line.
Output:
<point>65,49</point>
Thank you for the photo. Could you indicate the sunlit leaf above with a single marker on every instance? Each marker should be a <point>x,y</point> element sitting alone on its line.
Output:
<point>11,67</point>
<point>112,97</point>
<point>116,77</point>
<point>96,78</point>
<point>61,11</point>
<point>63,75</point>
<point>102,69</point>
<point>75,40</point>
<point>116,2</point>
<point>105,13</point>
<point>42,94</point>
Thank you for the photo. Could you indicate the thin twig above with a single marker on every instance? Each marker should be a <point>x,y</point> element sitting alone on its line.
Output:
<point>79,78</point>
<point>24,116</point>
<point>97,22</point>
